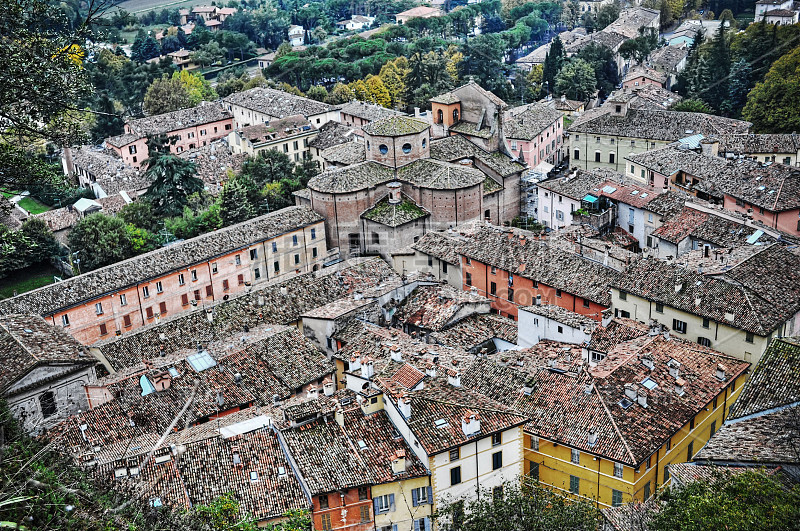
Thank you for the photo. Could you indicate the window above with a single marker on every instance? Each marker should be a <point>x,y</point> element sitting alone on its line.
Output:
<point>691,424</point>
<point>492,288</point>
<point>238,259</point>
<point>616,498</point>
<point>497,460</point>
<point>633,170</point>
<point>253,254</point>
<point>313,252</point>
<point>194,275</point>
<point>534,472</point>
<point>297,259</point>
<point>611,158</point>
<point>406,148</point>
<point>749,337</point>
<point>444,267</point>
<point>98,308</point>
<point>706,323</point>
<point>455,475</point>
<point>197,295</point>
<point>623,295</point>
<point>497,493</point>
<point>202,132</point>
<point>715,402</point>
<point>510,295</point>
<point>713,428</point>
<point>560,329</point>
<point>294,240</point>
<point>574,484</point>
<point>384,149</point>
<point>162,307</point>
<point>103,329</point>
<point>313,234</point>
<point>659,307</point>
<point>214,269</point>
<point>257,273</point>
<point>469,279</point>
<point>535,284</point>
<point>65,320</point>
<point>558,293</point>
<point>362,493</point>
<point>123,299</point>
<point>365,513</point>
<point>126,321</point>
<point>226,285</point>
<point>326,522</point>
<point>424,143</point>
<point>704,341</point>
<point>633,143</point>
<point>421,496</point>
<point>323,501</point>
<point>384,504</point>
<point>497,438</point>
<point>679,326</point>
<point>647,491</point>
<point>576,456</point>
<point>454,454</point>
<point>149,312</point>
<point>276,266</point>
<point>597,156</point>
<point>184,299</point>
<point>618,469</point>
<point>181,279</point>
<point>469,261</point>
<point>586,303</point>
<point>577,154</point>
<point>240,279</point>
<point>47,402</point>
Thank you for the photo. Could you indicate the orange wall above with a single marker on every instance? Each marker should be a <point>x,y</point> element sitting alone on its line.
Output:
<point>447,113</point>
<point>348,501</point>
<point>787,221</point>
<point>524,291</point>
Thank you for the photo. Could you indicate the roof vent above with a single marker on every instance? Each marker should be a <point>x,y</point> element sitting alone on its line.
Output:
<point>592,436</point>
<point>680,385</point>
<point>647,361</point>
<point>720,374</point>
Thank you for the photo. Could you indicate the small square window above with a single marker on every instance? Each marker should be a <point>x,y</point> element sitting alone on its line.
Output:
<point>455,475</point>
<point>454,454</point>
<point>659,307</point>
<point>618,470</point>
<point>576,456</point>
<point>238,259</point>
<point>749,337</point>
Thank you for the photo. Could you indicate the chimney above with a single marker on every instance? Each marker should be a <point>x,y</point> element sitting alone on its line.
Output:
<point>630,391</point>
<point>680,384</point>
<point>355,361</point>
<point>313,391</point>
<point>642,399</point>
<point>404,404</point>
<point>678,287</point>
<point>328,386</point>
<point>454,378</point>
<point>647,361</point>
<point>367,367</point>
<point>470,423</point>
<point>396,354</point>
<point>721,372</point>
<point>592,436</point>
<point>674,368</point>
<point>339,416</point>
<point>399,462</point>
<point>430,370</point>
<point>394,193</point>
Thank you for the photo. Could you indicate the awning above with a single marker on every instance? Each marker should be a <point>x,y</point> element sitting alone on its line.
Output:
<point>590,198</point>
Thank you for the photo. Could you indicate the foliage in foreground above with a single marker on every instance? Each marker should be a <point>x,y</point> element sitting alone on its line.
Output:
<point>527,508</point>
<point>752,500</point>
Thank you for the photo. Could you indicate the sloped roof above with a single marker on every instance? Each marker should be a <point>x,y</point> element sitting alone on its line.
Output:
<point>277,103</point>
<point>531,122</point>
<point>659,125</point>
<point>434,307</point>
<point>774,382</point>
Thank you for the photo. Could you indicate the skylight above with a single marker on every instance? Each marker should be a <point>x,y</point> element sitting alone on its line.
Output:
<point>441,423</point>
<point>173,372</point>
<point>650,384</point>
<point>146,385</point>
<point>201,361</point>
<point>253,476</point>
<point>635,192</point>
<point>281,471</point>
<point>362,445</point>
<point>625,403</point>
<point>609,189</point>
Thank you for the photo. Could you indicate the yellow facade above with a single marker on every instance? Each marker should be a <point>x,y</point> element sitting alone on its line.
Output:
<point>404,512</point>
<point>596,479</point>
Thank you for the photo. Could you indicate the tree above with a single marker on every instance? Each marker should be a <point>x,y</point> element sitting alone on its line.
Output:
<point>43,244</point>
<point>172,178</point>
<point>208,54</point>
<point>101,240</point>
<point>340,93</point>
<point>530,507</point>
<point>378,92</point>
<point>738,87</point>
<point>317,92</point>
<point>604,65</point>
<point>294,520</point>
<point>607,14</point>
<point>640,46</point>
<point>665,14</point>
<point>772,104</point>
<point>198,88</point>
<point>139,214</point>
<point>393,75</point>
<point>234,204</point>
<point>570,13</point>
<point>736,502</point>
<point>553,62</point>
<point>108,122</point>
<point>166,95</point>
<point>690,105</point>
<point>719,68</point>
<point>576,80</point>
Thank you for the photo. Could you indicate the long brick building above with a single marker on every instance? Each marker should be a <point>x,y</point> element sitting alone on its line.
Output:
<point>133,293</point>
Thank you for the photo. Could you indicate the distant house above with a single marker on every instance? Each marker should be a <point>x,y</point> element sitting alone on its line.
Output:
<point>356,23</point>
<point>182,59</point>
<point>264,61</point>
<point>296,35</point>
<point>417,12</point>
<point>779,12</point>
<point>641,75</point>
<point>289,135</point>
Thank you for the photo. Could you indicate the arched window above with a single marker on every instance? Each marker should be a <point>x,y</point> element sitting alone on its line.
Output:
<point>406,148</point>
<point>439,117</point>
<point>384,149</point>
<point>455,115</point>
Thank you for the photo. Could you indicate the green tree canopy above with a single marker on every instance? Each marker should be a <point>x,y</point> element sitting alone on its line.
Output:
<point>234,204</point>
<point>173,180</point>
<point>527,508</point>
<point>166,95</point>
<point>772,105</point>
<point>576,80</point>
<point>100,240</point>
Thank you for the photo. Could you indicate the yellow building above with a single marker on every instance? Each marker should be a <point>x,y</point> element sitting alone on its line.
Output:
<point>606,432</point>
<point>409,502</point>
<point>721,301</point>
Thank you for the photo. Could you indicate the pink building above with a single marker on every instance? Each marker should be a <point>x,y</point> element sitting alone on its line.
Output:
<point>190,129</point>
<point>641,75</point>
<point>534,133</point>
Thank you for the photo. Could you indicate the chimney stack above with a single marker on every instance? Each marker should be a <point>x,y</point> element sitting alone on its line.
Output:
<point>674,368</point>
<point>680,385</point>
<point>642,399</point>
<point>367,367</point>
<point>328,386</point>
<point>630,391</point>
<point>592,436</point>
<point>721,372</point>
<point>339,416</point>
<point>404,404</point>
<point>313,391</point>
<point>355,361</point>
<point>470,423</point>
<point>399,462</point>
<point>454,377</point>
<point>396,354</point>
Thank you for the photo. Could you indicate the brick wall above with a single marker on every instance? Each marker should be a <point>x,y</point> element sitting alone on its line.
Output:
<point>347,502</point>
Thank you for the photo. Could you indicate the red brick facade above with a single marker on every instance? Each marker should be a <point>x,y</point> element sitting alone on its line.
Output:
<point>349,509</point>
<point>525,291</point>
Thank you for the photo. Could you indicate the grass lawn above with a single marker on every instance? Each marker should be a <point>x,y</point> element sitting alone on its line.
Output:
<point>26,279</point>
<point>9,194</point>
<point>32,205</point>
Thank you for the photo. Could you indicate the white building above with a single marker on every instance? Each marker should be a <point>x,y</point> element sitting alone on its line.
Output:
<point>550,322</point>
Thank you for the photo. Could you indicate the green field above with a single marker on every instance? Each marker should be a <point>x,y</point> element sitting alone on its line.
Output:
<point>26,280</point>
<point>32,205</point>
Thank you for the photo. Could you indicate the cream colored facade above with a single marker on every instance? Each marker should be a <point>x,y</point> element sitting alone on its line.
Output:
<point>294,146</point>
<point>589,151</point>
<point>722,337</point>
<point>601,482</point>
<point>404,512</point>
<point>407,262</point>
